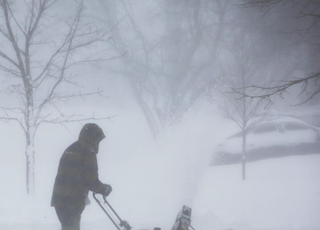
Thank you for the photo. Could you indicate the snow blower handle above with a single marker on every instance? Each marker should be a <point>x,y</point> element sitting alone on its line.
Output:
<point>123,223</point>
<point>110,211</point>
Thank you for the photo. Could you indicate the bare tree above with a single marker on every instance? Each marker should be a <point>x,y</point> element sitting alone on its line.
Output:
<point>167,68</point>
<point>36,63</point>
<point>303,20</point>
<point>248,60</point>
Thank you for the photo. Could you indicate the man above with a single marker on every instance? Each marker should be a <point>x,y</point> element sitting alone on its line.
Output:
<point>77,174</point>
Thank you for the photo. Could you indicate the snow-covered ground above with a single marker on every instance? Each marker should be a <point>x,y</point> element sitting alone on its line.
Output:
<point>282,193</point>
<point>151,181</point>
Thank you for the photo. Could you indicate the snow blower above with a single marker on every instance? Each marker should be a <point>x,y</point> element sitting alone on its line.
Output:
<point>182,222</point>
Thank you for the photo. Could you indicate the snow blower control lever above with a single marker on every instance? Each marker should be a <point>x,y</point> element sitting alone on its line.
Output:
<point>112,214</point>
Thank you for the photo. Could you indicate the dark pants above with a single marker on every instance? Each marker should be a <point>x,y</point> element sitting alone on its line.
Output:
<point>69,216</point>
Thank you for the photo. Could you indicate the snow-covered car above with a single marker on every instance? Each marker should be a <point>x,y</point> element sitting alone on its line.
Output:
<point>275,138</point>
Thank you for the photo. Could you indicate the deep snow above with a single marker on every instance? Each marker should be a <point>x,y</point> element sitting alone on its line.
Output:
<point>281,193</point>
<point>152,181</point>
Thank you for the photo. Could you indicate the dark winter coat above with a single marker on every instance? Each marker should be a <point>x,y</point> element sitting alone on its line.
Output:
<point>78,169</point>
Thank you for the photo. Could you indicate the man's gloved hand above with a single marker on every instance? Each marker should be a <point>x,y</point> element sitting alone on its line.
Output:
<point>107,190</point>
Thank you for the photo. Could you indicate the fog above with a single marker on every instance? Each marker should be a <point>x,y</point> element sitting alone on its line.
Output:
<point>168,82</point>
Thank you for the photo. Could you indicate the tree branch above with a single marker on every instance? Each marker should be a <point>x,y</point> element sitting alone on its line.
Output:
<point>268,92</point>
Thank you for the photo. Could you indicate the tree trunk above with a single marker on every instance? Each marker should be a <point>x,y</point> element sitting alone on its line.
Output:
<point>30,150</point>
<point>244,150</point>
<point>30,167</point>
